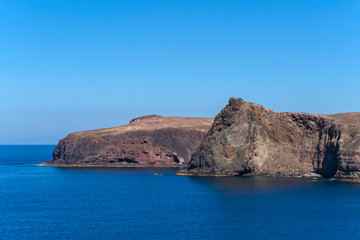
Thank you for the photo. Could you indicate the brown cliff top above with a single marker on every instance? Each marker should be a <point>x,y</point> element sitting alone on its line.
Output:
<point>154,122</point>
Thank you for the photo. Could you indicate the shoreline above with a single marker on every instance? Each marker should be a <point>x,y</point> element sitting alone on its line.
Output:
<point>107,165</point>
<point>183,172</point>
<point>308,176</point>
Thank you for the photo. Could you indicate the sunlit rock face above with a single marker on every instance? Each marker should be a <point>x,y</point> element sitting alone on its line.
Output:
<point>249,139</point>
<point>147,141</point>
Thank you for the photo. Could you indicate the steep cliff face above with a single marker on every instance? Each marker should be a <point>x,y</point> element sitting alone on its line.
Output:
<point>249,139</point>
<point>349,151</point>
<point>146,141</point>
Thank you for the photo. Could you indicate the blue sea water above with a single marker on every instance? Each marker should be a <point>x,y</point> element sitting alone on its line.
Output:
<point>41,202</point>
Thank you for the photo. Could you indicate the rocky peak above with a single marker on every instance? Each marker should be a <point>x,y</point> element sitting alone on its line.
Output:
<point>247,138</point>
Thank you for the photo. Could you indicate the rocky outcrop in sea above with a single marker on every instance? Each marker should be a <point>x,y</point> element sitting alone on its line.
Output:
<point>249,139</point>
<point>147,141</point>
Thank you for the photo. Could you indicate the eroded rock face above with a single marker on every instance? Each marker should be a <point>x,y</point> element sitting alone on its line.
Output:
<point>349,151</point>
<point>146,141</point>
<point>249,139</point>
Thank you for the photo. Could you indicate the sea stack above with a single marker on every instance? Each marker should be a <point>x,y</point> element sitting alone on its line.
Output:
<point>249,139</point>
<point>147,141</point>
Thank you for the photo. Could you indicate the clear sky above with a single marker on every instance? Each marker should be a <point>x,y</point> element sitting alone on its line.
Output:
<point>69,65</point>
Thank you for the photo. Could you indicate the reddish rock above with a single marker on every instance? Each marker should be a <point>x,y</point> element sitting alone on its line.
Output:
<point>147,141</point>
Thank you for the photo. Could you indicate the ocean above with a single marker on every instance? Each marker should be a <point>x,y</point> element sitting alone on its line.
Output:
<point>43,202</point>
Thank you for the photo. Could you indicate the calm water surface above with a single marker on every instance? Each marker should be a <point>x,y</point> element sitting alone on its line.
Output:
<point>131,203</point>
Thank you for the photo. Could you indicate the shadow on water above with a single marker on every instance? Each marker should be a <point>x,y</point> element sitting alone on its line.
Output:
<point>262,184</point>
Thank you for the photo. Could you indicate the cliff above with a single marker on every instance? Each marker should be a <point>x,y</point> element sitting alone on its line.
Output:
<point>147,141</point>
<point>249,139</point>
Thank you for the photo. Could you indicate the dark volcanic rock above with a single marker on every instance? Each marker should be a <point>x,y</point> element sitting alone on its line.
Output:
<point>146,141</point>
<point>249,139</point>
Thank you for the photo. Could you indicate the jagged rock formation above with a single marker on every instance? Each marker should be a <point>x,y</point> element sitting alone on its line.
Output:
<point>147,141</point>
<point>249,139</point>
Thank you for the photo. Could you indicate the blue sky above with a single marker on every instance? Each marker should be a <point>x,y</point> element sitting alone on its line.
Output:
<point>68,66</point>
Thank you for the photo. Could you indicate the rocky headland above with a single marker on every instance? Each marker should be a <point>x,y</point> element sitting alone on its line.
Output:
<point>249,139</point>
<point>147,141</point>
